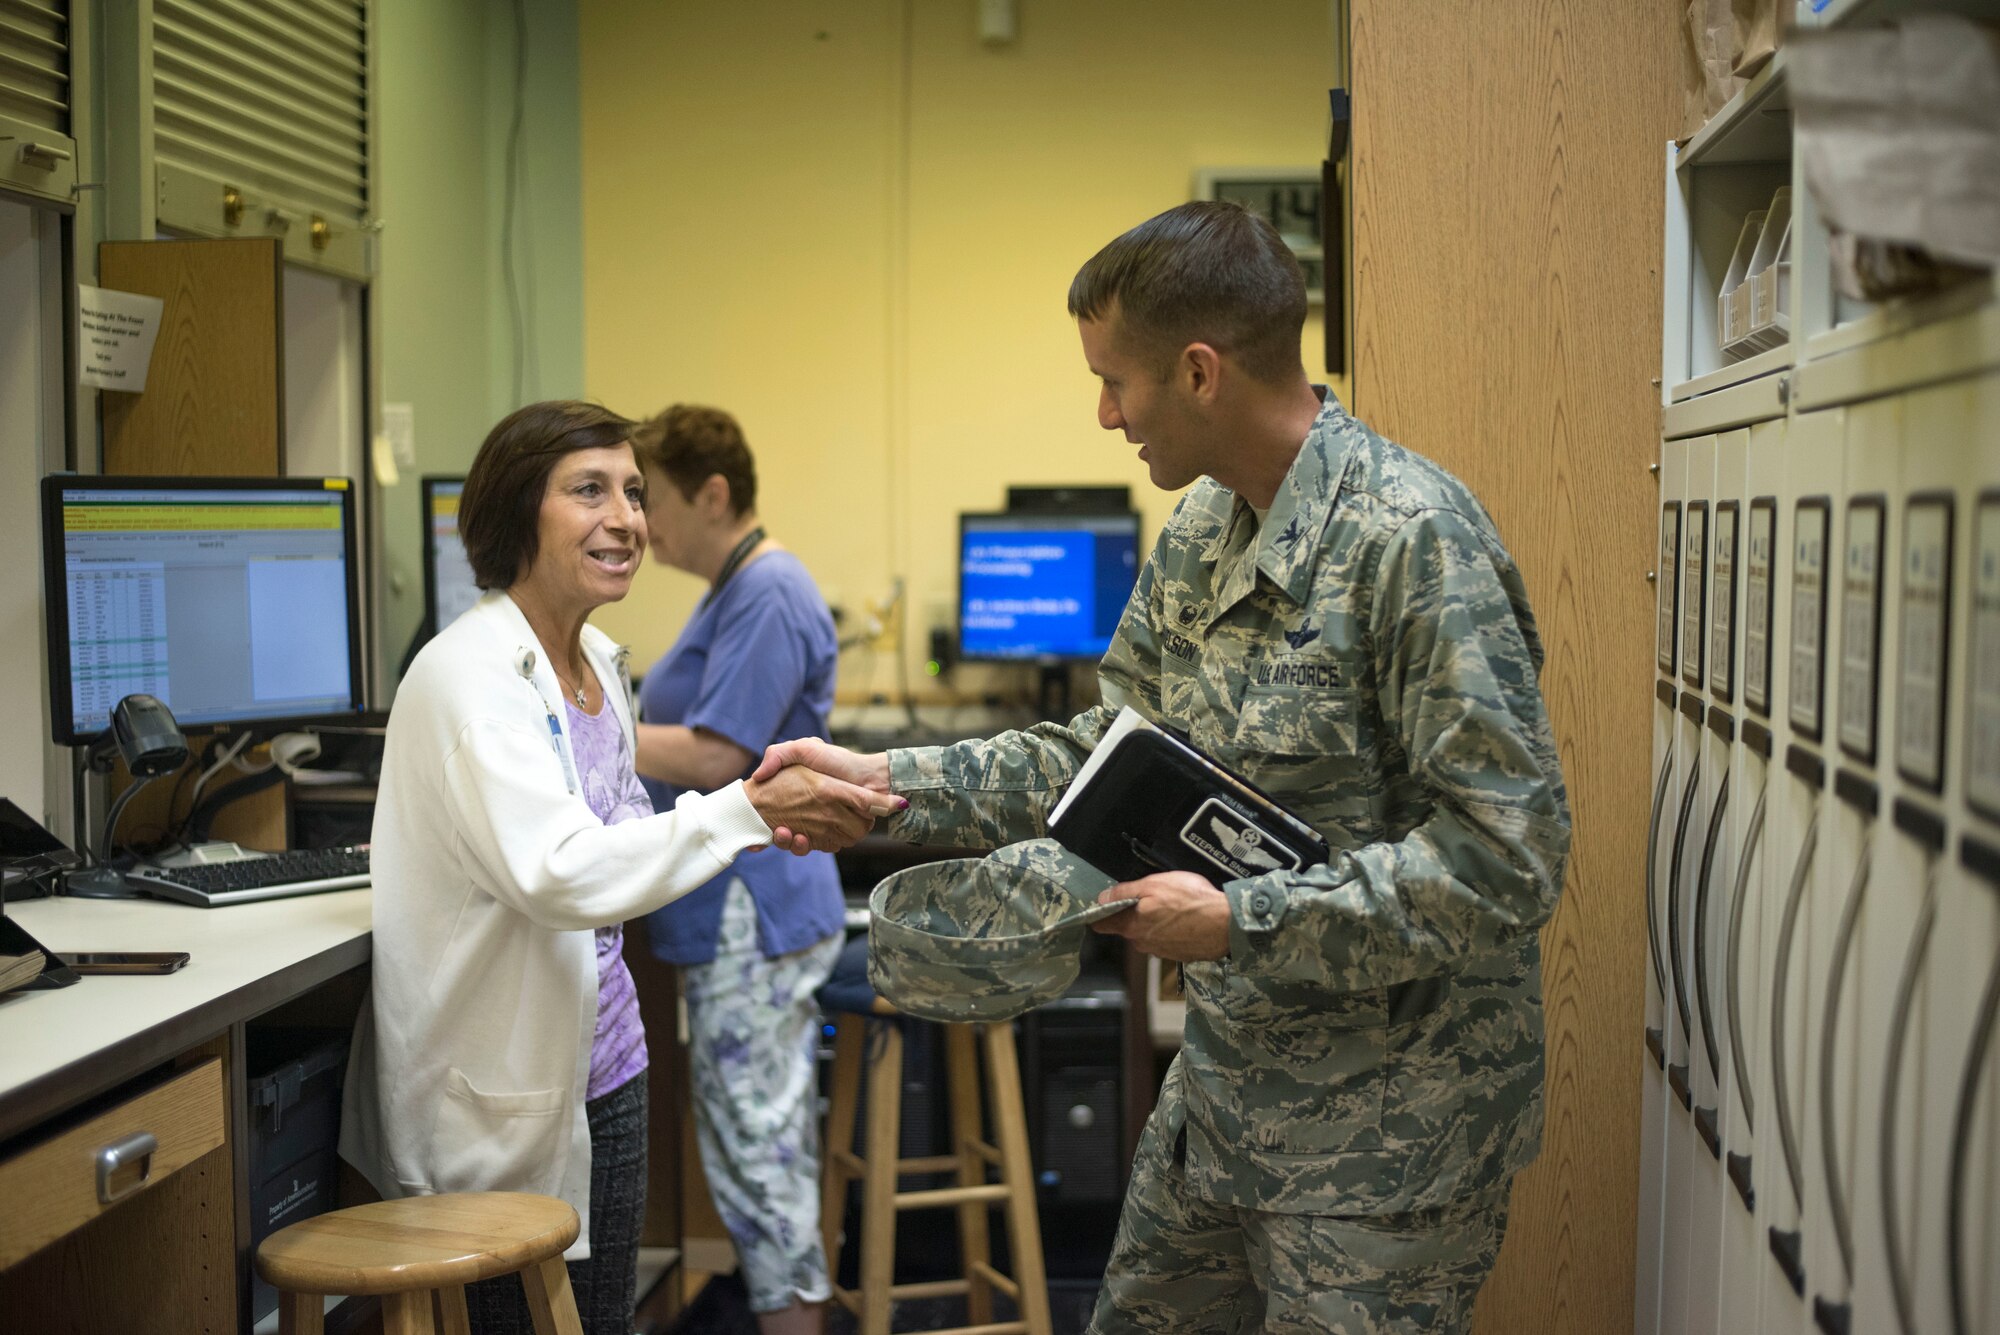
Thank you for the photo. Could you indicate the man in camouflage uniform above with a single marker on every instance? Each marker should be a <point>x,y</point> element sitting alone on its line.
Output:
<point>1336,619</point>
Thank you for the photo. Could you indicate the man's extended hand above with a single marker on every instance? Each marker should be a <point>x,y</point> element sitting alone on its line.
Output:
<point>1179,916</point>
<point>867,772</point>
<point>809,811</point>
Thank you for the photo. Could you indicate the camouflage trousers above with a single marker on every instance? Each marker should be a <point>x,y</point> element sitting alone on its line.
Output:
<point>1184,1264</point>
<point>753,1029</point>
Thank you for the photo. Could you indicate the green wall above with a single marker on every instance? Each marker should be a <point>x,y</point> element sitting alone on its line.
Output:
<point>447,332</point>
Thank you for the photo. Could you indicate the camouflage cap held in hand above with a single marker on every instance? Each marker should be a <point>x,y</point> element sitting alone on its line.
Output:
<point>982,939</point>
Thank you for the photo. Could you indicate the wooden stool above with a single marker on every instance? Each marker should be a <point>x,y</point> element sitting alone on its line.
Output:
<point>880,1170</point>
<point>425,1249</point>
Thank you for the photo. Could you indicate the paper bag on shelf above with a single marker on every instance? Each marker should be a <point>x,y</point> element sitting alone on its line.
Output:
<point>1708,61</point>
<point>1899,132</point>
<point>1756,30</point>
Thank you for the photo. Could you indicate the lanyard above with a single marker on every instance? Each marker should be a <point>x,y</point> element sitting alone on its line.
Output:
<point>524,664</point>
<point>742,549</point>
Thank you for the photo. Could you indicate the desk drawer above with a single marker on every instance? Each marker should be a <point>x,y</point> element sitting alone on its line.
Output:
<point>62,1184</point>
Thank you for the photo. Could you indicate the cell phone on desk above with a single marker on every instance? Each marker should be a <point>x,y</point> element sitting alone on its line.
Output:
<point>125,961</point>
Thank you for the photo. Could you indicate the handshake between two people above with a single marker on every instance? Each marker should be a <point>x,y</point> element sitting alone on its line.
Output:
<point>819,797</point>
<point>815,795</point>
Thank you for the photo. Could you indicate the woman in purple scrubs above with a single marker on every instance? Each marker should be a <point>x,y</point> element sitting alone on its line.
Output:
<point>753,666</point>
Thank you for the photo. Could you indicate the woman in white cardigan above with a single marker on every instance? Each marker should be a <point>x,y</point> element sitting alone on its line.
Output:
<point>502,1049</point>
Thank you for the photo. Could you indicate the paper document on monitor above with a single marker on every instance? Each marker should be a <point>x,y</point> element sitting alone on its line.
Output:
<point>1147,800</point>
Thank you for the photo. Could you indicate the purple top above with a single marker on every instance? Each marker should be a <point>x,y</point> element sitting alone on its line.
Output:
<point>611,787</point>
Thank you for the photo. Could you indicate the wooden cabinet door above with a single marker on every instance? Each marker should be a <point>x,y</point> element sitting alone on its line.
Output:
<point>1507,234</point>
<point>214,403</point>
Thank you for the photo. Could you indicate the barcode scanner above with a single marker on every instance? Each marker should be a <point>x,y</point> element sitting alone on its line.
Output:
<point>150,743</point>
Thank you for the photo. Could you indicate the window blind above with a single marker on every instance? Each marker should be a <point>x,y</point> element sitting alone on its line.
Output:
<point>269,97</point>
<point>34,63</point>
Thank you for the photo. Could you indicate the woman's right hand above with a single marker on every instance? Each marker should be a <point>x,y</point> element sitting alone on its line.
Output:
<point>819,812</point>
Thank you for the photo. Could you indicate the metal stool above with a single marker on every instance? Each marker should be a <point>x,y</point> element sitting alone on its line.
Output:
<point>973,1196</point>
<point>423,1250</point>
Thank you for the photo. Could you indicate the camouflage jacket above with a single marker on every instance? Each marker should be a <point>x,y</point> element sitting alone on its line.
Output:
<point>1372,1043</point>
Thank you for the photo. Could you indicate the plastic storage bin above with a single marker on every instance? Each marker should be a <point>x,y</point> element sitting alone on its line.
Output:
<point>294,1095</point>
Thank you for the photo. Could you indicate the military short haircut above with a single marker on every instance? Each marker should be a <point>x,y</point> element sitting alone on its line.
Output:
<point>1206,272</point>
<point>691,445</point>
<point>500,510</point>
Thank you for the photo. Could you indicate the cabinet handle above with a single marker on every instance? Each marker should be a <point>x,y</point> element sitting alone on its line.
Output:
<point>140,1146</point>
<point>1703,1008</point>
<point>1829,1036</point>
<point>1892,1079</point>
<point>1733,995</point>
<point>1788,1135</point>
<point>1674,862</point>
<point>45,156</point>
<point>1652,893</point>
<point>1961,1145</point>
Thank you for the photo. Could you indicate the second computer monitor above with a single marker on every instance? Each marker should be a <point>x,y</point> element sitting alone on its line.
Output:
<point>448,586</point>
<point>1043,588</point>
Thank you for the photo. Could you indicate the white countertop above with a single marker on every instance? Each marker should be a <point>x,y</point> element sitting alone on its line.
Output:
<point>229,949</point>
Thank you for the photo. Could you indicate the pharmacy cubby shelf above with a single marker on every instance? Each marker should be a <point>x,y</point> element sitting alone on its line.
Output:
<point>1901,346</point>
<point>1749,288</point>
<point>1822,867</point>
<point>1727,270</point>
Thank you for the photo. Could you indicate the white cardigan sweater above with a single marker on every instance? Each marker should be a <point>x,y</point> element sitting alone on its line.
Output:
<point>471,1059</point>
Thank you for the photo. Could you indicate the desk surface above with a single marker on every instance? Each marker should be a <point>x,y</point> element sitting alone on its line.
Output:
<point>64,1045</point>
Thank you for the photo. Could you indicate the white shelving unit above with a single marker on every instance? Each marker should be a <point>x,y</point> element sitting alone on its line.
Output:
<point>1735,166</point>
<point>1830,529</point>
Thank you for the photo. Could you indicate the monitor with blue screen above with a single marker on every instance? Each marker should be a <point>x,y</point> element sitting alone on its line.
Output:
<point>448,585</point>
<point>233,600</point>
<point>1043,588</point>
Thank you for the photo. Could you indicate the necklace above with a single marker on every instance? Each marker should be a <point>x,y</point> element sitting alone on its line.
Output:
<point>735,559</point>
<point>576,691</point>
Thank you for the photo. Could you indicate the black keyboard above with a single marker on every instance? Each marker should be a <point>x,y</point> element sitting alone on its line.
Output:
<point>303,871</point>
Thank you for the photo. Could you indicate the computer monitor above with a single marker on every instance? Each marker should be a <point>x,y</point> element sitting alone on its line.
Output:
<point>234,600</point>
<point>448,586</point>
<point>1043,588</point>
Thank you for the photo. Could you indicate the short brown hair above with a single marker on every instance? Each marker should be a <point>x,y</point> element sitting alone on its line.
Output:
<point>500,511</point>
<point>1207,272</point>
<point>691,444</point>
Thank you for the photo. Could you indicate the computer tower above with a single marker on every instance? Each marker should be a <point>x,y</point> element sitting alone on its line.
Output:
<point>1073,1085</point>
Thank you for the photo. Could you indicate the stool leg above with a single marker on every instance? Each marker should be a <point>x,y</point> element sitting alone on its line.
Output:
<point>550,1302</point>
<point>967,1128</point>
<point>301,1313</point>
<point>850,1035</point>
<point>879,1182</point>
<point>453,1319</point>
<point>407,1313</point>
<point>1010,1134</point>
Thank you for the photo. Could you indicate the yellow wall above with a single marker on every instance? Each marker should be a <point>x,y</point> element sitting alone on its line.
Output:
<point>853,226</point>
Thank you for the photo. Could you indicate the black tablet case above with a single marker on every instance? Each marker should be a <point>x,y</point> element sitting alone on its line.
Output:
<point>1156,803</point>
